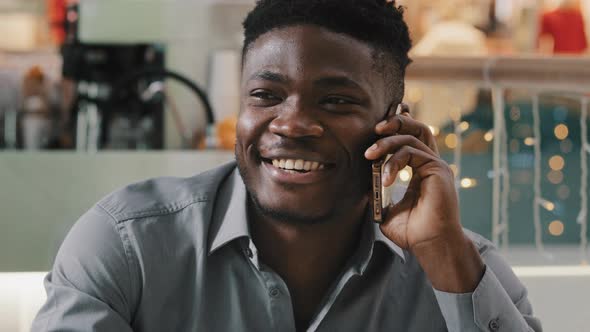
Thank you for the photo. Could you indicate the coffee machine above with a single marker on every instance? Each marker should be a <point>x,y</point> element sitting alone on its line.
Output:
<point>120,96</point>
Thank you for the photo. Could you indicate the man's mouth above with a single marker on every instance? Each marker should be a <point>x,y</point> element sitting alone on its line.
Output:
<point>296,165</point>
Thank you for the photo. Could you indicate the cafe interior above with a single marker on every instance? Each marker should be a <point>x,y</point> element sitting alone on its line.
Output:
<point>97,94</point>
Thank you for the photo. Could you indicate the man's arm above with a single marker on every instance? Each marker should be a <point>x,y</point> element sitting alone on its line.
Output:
<point>499,303</point>
<point>92,284</point>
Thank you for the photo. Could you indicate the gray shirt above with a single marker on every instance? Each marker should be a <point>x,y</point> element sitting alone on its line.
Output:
<point>175,254</point>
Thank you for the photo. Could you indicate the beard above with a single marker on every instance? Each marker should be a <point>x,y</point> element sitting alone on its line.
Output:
<point>281,215</point>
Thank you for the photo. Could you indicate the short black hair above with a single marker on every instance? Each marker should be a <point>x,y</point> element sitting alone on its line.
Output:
<point>378,23</point>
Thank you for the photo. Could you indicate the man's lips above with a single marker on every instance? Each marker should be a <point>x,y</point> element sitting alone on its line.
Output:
<point>290,176</point>
<point>299,161</point>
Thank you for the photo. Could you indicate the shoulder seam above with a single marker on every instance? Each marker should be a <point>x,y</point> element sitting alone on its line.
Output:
<point>132,265</point>
<point>171,208</point>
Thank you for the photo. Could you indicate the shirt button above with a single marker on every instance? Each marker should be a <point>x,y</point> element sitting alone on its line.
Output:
<point>248,252</point>
<point>274,292</point>
<point>494,324</point>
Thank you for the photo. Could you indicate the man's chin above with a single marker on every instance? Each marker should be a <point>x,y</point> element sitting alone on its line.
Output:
<point>288,214</point>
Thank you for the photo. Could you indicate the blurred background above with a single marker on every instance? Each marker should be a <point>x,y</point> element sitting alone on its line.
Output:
<point>95,94</point>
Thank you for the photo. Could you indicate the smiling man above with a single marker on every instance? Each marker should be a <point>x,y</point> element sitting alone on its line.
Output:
<point>281,240</point>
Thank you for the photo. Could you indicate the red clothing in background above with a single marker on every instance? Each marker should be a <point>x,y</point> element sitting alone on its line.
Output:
<point>566,26</point>
<point>56,13</point>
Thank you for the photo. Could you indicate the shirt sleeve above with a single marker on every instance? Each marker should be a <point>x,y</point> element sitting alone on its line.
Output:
<point>499,303</point>
<point>90,286</point>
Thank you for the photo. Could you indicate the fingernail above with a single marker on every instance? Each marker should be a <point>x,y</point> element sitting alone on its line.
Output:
<point>381,124</point>
<point>373,147</point>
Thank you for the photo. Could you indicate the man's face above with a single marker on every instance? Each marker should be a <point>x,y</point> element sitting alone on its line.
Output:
<point>310,101</point>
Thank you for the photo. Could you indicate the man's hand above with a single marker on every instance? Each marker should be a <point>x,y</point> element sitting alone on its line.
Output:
<point>426,221</point>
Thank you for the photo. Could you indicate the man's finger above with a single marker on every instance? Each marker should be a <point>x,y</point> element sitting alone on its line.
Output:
<point>391,144</point>
<point>404,124</point>
<point>420,161</point>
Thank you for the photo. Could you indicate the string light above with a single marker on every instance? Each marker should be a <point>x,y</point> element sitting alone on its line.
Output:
<point>556,228</point>
<point>548,205</point>
<point>556,163</point>
<point>464,126</point>
<point>561,131</point>
<point>451,141</point>
<point>489,136</point>
<point>468,183</point>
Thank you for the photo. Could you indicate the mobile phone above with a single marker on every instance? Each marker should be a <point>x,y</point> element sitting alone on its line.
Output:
<point>377,188</point>
<point>377,196</point>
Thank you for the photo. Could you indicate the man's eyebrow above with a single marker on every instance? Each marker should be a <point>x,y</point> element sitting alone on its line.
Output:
<point>337,81</point>
<point>267,75</point>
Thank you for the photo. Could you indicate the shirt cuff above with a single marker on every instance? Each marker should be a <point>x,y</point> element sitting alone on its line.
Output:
<point>457,309</point>
<point>488,308</point>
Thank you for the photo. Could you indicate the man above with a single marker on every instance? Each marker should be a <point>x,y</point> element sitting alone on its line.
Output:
<point>285,243</point>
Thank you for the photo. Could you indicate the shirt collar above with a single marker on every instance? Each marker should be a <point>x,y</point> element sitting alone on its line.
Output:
<point>230,215</point>
<point>230,220</point>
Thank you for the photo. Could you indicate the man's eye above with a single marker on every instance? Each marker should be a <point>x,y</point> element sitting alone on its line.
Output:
<point>263,95</point>
<point>338,101</point>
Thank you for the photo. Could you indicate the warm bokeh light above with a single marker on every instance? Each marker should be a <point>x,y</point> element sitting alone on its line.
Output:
<point>555,177</point>
<point>489,136</point>
<point>561,131</point>
<point>464,126</point>
<point>451,141</point>
<point>468,183</point>
<point>529,141</point>
<point>549,206</point>
<point>556,228</point>
<point>405,174</point>
<point>434,130</point>
<point>556,163</point>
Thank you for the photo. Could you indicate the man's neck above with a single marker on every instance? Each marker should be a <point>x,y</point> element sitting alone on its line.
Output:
<point>307,257</point>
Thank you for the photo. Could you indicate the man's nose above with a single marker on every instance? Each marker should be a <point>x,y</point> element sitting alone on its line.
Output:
<point>297,121</point>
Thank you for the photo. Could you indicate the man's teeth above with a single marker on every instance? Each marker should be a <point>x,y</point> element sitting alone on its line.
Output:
<point>297,164</point>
